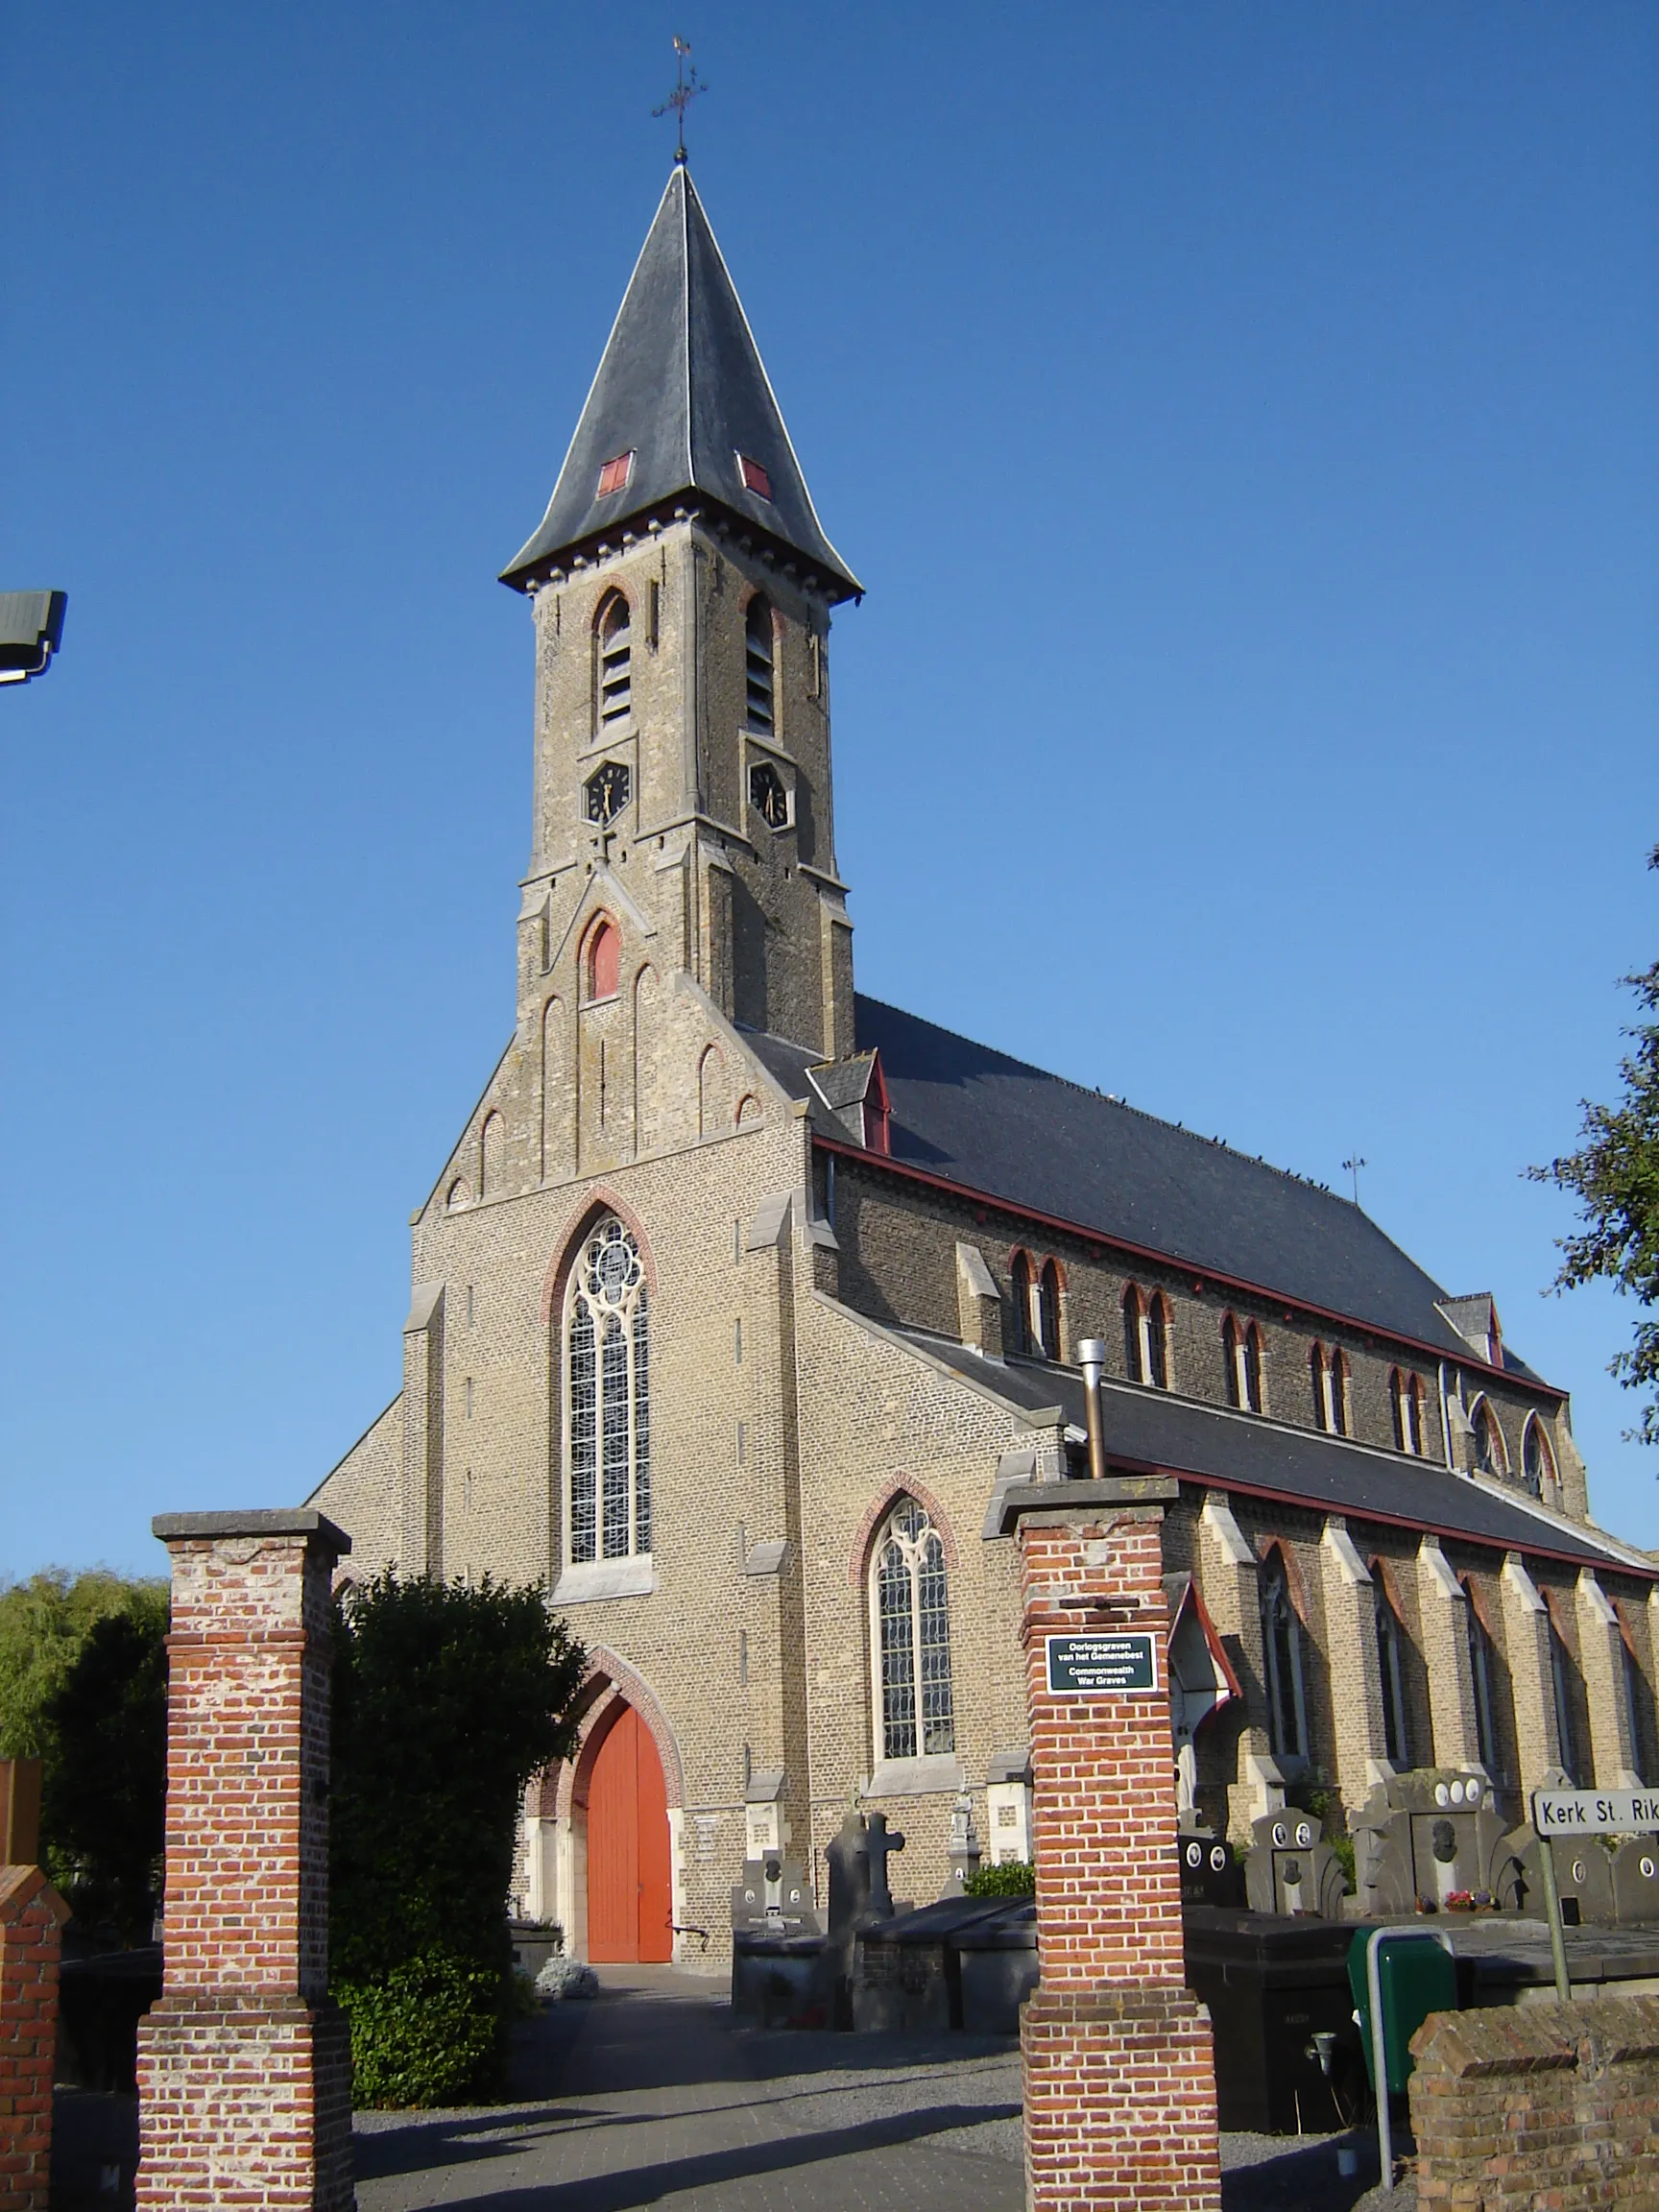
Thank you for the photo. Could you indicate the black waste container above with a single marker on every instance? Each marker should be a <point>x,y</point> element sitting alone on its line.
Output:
<point>1272,1986</point>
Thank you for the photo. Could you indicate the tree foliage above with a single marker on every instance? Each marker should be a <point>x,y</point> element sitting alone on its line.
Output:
<point>103,1813</point>
<point>43,1624</point>
<point>446,1701</point>
<point>1614,1174</point>
<point>84,1689</point>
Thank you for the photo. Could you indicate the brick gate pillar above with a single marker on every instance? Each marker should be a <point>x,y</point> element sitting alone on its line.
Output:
<point>1119,2067</point>
<point>244,2066</point>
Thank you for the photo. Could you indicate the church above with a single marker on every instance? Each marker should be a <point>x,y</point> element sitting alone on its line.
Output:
<point>742,1302</point>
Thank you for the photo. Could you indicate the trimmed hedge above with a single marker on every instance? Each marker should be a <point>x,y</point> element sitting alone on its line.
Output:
<point>426,2035</point>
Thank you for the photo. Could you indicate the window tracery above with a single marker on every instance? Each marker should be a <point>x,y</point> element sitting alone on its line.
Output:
<point>910,1636</point>
<point>608,1399</point>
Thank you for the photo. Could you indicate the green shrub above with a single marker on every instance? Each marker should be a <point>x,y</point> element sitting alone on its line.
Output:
<point>428,2034</point>
<point>1012,1879</point>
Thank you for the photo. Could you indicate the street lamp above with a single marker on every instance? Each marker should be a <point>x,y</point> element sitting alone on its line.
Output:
<point>30,632</point>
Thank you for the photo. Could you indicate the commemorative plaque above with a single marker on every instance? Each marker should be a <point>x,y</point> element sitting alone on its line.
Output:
<point>1112,1665</point>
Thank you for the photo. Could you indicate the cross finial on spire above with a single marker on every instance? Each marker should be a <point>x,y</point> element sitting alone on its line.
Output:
<point>686,90</point>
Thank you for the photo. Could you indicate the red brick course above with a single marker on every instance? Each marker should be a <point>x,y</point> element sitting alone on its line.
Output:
<point>244,2066</point>
<point>1533,2106</point>
<point>32,1916</point>
<point>1118,2062</point>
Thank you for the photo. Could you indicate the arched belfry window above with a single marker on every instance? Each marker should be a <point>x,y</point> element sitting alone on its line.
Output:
<point>613,683</point>
<point>1282,1661</point>
<point>910,1636</point>
<point>607,1368</point>
<point>757,669</point>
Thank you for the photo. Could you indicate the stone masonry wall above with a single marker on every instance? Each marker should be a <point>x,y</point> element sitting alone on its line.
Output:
<point>1538,2104</point>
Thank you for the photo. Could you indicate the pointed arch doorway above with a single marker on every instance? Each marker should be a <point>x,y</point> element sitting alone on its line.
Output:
<point>630,1904</point>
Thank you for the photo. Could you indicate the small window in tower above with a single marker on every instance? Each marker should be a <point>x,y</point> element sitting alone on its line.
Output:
<point>615,676</point>
<point>615,476</point>
<point>757,666</point>
<point>754,477</point>
<point>769,795</point>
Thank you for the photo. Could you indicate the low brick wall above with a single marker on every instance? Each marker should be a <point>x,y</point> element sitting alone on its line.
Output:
<point>32,1915</point>
<point>1535,2104</point>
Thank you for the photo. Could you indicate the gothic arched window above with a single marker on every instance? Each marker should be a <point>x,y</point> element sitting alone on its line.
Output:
<point>1405,1394</point>
<point>1563,1681</point>
<point>606,1398</point>
<point>1146,1337</point>
<point>1490,1458</point>
<point>1020,1280</point>
<point>1134,1356</point>
<point>614,676</point>
<point>1241,1349</point>
<point>911,1635</point>
<point>1048,1311</point>
<point>1282,1658</point>
<point>1390,1633</point>
<point>602,960</point>
<point>758,672</point>
<point>1482,1660</point>
<point>1538,1462</point>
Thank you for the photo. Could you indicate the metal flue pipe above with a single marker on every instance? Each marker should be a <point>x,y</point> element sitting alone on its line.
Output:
<point>1091,1359</point>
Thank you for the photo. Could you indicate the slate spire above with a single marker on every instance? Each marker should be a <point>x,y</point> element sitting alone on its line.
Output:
<point>681,405</point>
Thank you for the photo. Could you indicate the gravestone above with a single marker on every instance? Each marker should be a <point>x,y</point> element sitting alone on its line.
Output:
<point>1431,1833</point>
<point>1291,1870</point>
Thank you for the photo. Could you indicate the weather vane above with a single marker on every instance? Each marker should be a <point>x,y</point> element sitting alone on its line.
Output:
<point>686,90</point>
<point>1354,1167</point>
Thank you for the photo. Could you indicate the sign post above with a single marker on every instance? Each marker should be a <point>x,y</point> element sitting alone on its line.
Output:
<point>1582,1812</point>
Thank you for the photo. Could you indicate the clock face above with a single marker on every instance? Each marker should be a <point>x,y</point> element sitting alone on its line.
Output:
<point>769,795</point>
<point>608,790</point>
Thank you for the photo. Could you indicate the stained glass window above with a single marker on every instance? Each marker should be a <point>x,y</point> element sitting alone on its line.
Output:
<point>912,1635</point>
<point>608,1399</point>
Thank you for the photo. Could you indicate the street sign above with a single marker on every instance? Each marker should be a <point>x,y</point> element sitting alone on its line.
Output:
<point>1101,1666</point>
<point>1595,1812</point>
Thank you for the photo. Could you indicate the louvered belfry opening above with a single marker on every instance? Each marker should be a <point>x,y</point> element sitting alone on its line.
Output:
<point>757,666</point>
<point>616,661</point>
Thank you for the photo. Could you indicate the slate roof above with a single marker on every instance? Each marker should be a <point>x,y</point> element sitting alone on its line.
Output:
<point>1147,1428</point>
<point>681,386</point>
<point>991,1124</point>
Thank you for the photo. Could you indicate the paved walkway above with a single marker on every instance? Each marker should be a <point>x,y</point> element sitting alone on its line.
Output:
<point>645,2095</point>
<point>648,2095</point>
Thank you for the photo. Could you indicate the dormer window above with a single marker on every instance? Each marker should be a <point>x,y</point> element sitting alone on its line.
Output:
<point>758,667</point>
<point>614,684</point>
<point>615,476</point>
<point>754,477</point>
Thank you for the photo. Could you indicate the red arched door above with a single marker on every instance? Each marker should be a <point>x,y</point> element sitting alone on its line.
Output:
<point>629,1905</point>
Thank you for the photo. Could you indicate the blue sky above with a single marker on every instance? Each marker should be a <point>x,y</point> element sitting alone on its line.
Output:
<point>1243,419</point>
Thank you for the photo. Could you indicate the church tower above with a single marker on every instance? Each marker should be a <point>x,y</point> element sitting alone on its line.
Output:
<point>682,585</point>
